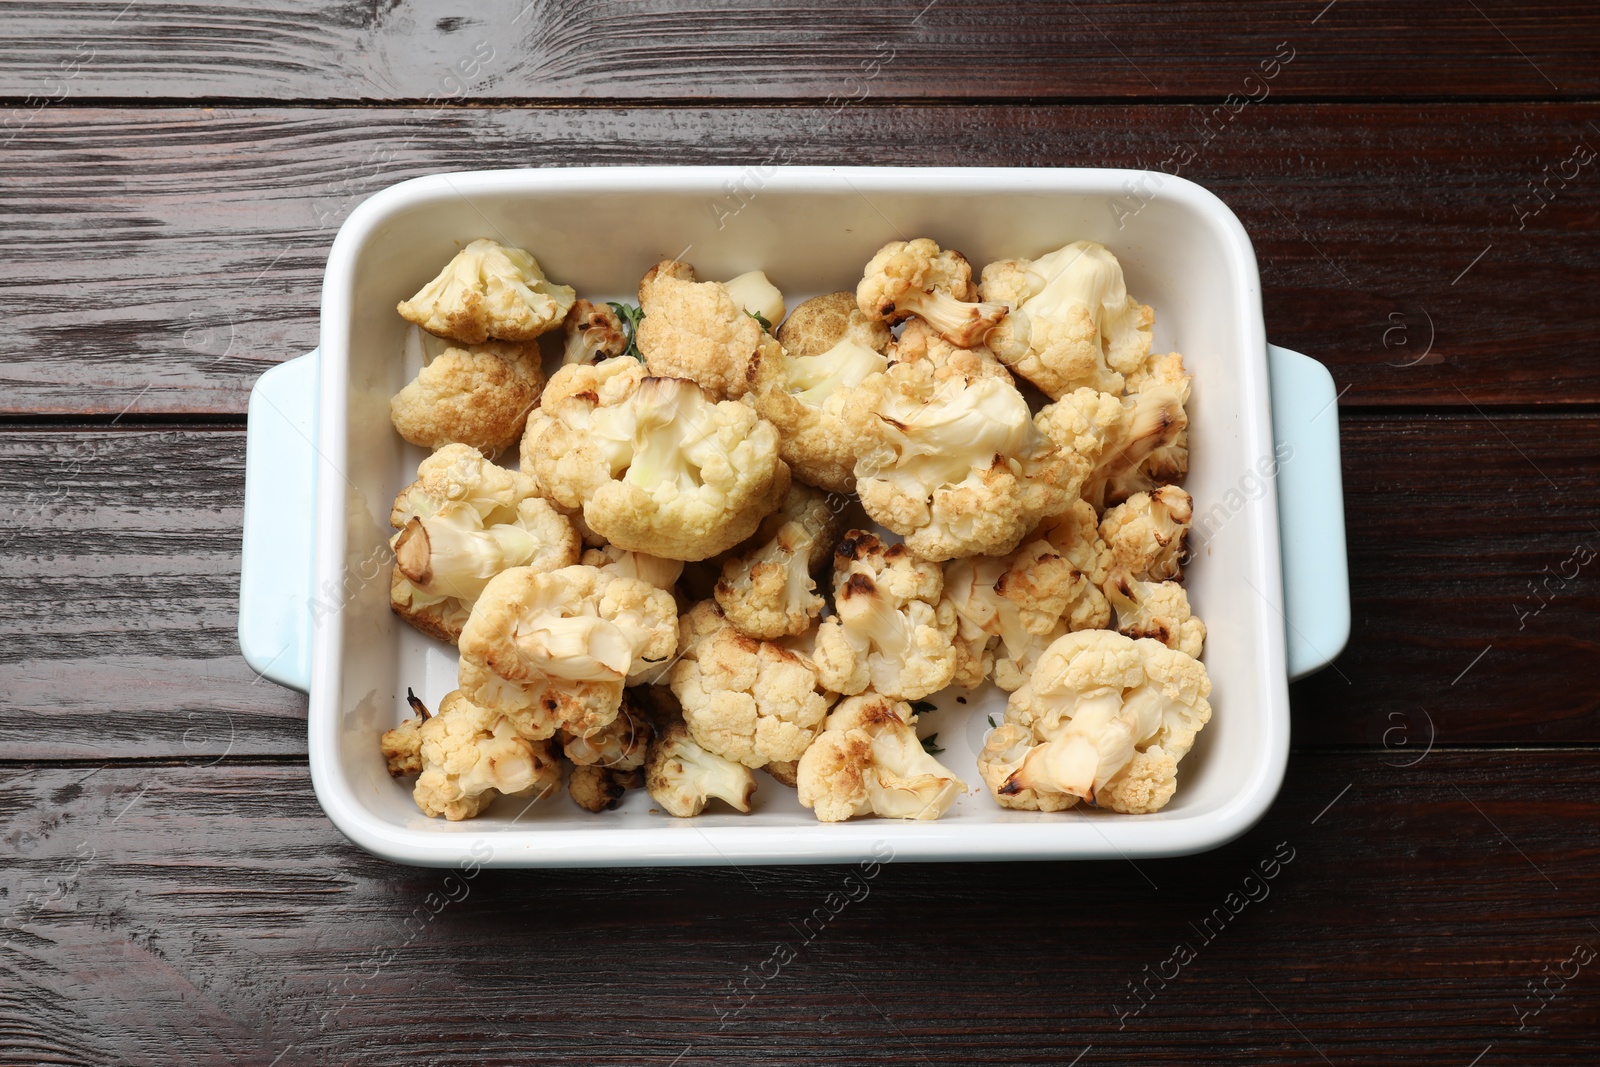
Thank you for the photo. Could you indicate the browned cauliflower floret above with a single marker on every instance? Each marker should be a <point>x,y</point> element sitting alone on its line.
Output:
<point>1011,608</point>
<point>1120,435</point>
<point>868,761</point>
<point>1158,610</point>
<point>697,331</point>
<point>766,588</point>
<point>1104,718</point>
<point>655,465</point>
<point>1071,322</point>
<point>592,332</point>
<point>479,395</point>
<point>621,745</point>
<point>743,699</point>
<point>595,789</point>
<point>463,521</point>
<point>958,467</point>
<point>918,278</point>
<point>829,348</point>
<point>402,746</point>
<point>661,573</point>
<point>921,343</point>
<point>1146,534</point>
<point>489,290</point>
<point>1165,375</point>
<point>891,632</point>
<point>683,777</point>
<point>467,755</point>
<point>553,651</point>
<point>786,772</point>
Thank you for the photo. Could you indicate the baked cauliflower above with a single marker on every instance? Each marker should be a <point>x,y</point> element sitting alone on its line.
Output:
<point>920,343</point>
<point>655,465</point>
<point>683,777</point>
<point>1011,608</point>
<point>697,331</point>
<point>892,631</point>
<point>957,466</point>
<point>591,333</point>
<point>1104,718</point>
<point>661,573</point>
<point>479,395</point>
<point>552,651</point>
<point>620,745</point>
<point>1157,610</point>
<point>756,296</point>
<point>1165,375</point>
<point>766,589</point>
<point>1146,534</point>
<point>463,521</point>
<point>1120,436</point>
<point>919,278</point>
<point>829,348</point>
<point>868,761</point>
<point>489,290</point>
<point>1071,323</point>
<point>595,789</point>
<point>467,755</point>
<point>746,700</point>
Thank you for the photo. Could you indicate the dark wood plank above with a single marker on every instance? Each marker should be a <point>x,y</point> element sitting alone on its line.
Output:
<point>668,49</point>
<point>158,260</point>
<point>162,914</point>
<point>121,552</point>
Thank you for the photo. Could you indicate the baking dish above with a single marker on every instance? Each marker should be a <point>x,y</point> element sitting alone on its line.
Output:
<point>1267,573</point>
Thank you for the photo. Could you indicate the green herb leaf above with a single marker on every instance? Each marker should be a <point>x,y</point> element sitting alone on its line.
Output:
<point>930,745</point>
<point>762,319</point>
<point>922,707</point>
<point>992,723</point>
<point>631,316</point>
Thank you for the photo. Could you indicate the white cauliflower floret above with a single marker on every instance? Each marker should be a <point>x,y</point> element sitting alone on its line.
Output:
<point>829,348</point>
<point>1167,462</point>
<point>553,651</point>
<point>1011,608</point>
<point>661,573</point>
<point>1157,610</point>
<point>479,395</point>
<point>683,777</point>
<point>697,331</point>
<point>489,290</point>
<point>1120,436</point>
<point>766,588</point>
<point>467,755</point>
<point>1146,534</point>
<point>1071,322</point>
<point>958,466</point>
<point>463,521</point>
<point>655,465</point>
<point>743,699</point>
<point>891,632</point>
<point>755,294</point>
<point>592,332</point>
<point>918,278</point>
<point>1104,718</point>
<point>868,761</point>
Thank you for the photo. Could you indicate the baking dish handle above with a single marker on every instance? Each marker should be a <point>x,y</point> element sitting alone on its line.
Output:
<point>1316,576</point>
<point>279,500</point>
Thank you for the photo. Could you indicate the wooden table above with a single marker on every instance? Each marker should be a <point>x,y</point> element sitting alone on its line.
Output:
<point>1421,184</point>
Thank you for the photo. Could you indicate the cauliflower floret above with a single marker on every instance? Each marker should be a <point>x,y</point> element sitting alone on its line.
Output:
<point>655,465</point>
<point>592,332</point>
<point>766,590</point>
<point>829,348</point>
<point>786,772</point>
<point>921,343</point>
<point>958,467</point>
<point>620,745</point>
<point>489,290</point>
<point>892,631</point>
<point>553,651</point>
<point>918,278</point>
<point>683,777</point>
<point>743,699</point>
<point>1011,608</point>
<point>1166,462</point>
<point>463,521</point>
<point>697,331</point>
<point>1119,435</point>
<point>1071,322</point>
<point>596,789</point>
<point>755,294</point>
<point>1146,534</point>
<point>868,761</point>
<point>479,396</point>
<point>467,755</point>
<point>661,573</point>
<point>1104,718</point>
<point>1158,610</point>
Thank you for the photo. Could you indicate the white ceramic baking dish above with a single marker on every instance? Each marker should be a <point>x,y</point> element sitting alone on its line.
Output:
<point>324,464</point>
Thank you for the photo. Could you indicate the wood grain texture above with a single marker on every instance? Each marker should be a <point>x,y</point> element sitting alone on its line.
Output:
<point>121,640</point>
<point>565,50</point>
<point>161,914</point>
<point>157,261</point>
